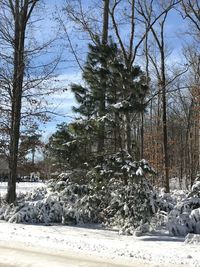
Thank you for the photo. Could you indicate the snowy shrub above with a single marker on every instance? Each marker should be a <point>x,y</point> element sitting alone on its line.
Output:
<point>74,176</point>
<point>167,201</point>
<point>105,199</point>
<point>84,210</point>
<point>121,166</point>
<point>192,239</point>
<point>130,206</point>
<point>130,199</point>
<point>185,217</point>
<point>60,202</point>
<point>80,204</point>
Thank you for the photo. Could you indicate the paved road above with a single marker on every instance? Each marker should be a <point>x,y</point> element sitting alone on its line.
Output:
<point>30,257</point>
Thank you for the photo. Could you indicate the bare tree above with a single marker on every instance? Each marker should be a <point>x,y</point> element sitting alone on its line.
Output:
<point>144,12</point>
<point>22,81</point>
<point>191,11</point>
<point>158,32</point>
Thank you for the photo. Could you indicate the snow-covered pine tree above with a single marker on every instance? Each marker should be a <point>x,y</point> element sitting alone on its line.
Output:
<point>124,91</point>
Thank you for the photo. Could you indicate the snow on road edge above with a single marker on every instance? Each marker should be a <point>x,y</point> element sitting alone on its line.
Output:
<point>148,250</point>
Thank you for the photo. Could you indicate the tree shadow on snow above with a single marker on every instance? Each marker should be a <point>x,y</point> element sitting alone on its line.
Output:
<point>165,238</point>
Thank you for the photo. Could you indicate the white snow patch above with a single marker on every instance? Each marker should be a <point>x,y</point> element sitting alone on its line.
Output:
<point>159,250</point>
<point>21,187</point>
<point>139,172</point>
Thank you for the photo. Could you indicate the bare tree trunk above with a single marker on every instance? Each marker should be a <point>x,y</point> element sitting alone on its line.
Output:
<point>165,140</point>
<point>128,133</point>
<point>101,135</point>
<point>199,140</point>
<point>164,115</point>
<point>147,82</point>
<point>158,152</point>
<point>16,100</point>
<point>181,162</point>
<point>21,14</point>
<point>142,136</point>
<point>105,22</point>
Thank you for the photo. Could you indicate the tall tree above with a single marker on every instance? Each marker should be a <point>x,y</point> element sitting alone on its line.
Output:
<point>21,12</point>
<point>189,10</point>
<point>124,91</point>
<point>138,26</point>
<point>23,75</point>
<point>103,88</point>
<point>160,68</point>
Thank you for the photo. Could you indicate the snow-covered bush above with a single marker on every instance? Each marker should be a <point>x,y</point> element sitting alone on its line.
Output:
<point>192,239</point>
<point>130,206</point>
<point>108,198</point>
<point>166,202</point>
<point>75,176</point>
<point>122,167</point>
<point>185,217</point>
<point>59,202</point>
<point>130,199</point>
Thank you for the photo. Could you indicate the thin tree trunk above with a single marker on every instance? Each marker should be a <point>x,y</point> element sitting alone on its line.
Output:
<point>128,133</point>
<point>157,138</point>
<point>16,101</point>
<point>164,121</point>
<point>21,11</point>
<point>181,162</point>
<point>101,134</point>
<point>105,22</point>
<point>142,136</point>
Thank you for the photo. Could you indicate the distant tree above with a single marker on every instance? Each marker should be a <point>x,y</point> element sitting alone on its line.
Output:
<point>69,146</point>
<point>57,146</point>
<point>30,143</point>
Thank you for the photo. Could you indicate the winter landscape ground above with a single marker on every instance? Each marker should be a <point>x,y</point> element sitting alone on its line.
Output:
<point>91,245</point>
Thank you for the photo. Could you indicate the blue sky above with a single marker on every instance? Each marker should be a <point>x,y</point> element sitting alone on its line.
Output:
<point>68,72</point>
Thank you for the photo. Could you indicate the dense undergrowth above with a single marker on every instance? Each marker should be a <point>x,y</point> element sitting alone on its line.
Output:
<point>104,196</point>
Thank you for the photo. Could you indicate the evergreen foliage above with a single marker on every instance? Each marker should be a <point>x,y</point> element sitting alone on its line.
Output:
<point>61,153</point>
<point>185,217</point>
<point>124,206</point>
<point>123,90</point>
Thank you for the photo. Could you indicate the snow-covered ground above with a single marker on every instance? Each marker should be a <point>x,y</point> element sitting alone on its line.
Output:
<point>19,256</point>
<point>21,187</point>
<point>149,250</point>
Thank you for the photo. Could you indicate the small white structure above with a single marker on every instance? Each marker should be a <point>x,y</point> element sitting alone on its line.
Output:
<point>34,176</point>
